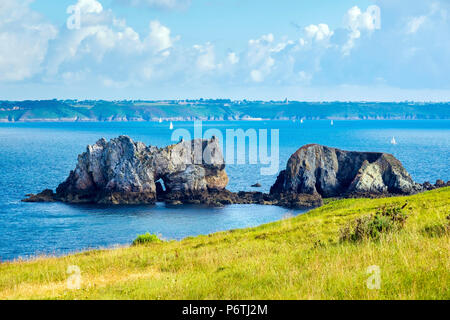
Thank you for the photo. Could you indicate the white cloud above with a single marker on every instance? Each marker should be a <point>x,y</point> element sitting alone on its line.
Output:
<point>304,77</point>
<point>368,20</point>
<point>415,23</point>
<point>89,6</point>
<point>268,38</point>
<point>257,76</point>
<point>435,13</point>
<point>259,57</point>
<point>357,21</point>
<point>102,34</point>
<point>159,37</point>
<point>206,60</point>
<point>281,46</point>
<point>107,52</point>
<point>24,40</point>
<point>318,32</point>
<point>233,58</point>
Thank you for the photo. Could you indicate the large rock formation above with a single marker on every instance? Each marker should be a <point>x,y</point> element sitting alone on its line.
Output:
<point>331,172</point>
<point>122,171</point>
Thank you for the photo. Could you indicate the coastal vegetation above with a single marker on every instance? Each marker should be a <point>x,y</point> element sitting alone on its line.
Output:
<point>220,109</point>
<point>146,238</point>
<point>301,257</point>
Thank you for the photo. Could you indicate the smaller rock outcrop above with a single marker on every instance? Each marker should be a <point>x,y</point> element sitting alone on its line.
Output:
<point>218,198</point>
<point>331,172</point>
<point>439,184</point>
<point>45,196</point>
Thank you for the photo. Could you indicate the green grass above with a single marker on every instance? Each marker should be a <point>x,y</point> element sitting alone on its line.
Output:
<point>146,239</point>
<point>297,258</point>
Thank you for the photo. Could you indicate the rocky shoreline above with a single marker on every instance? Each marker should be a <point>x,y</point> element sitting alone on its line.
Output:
<point>121,171</point>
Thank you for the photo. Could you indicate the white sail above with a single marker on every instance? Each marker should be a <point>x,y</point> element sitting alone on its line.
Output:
<point>171,125</point>
<point>301,121</point>
<point>393,141</point>
<point>332,123</point>
<point>160,120</point>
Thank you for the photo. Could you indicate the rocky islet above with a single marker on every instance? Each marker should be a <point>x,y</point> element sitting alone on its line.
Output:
<point>121,171</point>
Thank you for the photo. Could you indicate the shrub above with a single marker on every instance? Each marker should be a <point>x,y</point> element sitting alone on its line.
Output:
<point>146,238</point>
<point>385,220</point>
<point>438,229</point>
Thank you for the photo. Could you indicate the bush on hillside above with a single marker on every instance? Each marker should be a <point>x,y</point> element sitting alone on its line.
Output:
<point>146,238</point>
<point>438,229</point>
<point>385,220</point>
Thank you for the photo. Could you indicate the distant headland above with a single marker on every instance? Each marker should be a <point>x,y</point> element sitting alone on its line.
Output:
<point>216,110</point>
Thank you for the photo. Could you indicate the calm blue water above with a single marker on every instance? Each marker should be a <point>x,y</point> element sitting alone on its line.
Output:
<point>35,156</point>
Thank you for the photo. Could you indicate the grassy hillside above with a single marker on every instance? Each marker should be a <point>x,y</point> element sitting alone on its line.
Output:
<point>296,258</point>
<point>99,110</point>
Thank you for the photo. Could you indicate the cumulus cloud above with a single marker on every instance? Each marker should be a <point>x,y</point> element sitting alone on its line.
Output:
<point>88,6</point>
<point>318,32</point>
<point>24,40</point>
<point>411,50</point>
<point>206,60</point>
<point>159,37</point>
<point>108,40</point>
<point>357,21</point>
<point>259,57</point>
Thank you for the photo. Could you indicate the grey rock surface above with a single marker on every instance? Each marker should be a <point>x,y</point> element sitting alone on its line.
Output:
<point>332,172</point>
<point>124,171</point>
<point>121,171</point>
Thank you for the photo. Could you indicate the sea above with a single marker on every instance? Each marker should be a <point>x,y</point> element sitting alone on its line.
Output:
<point>37,156</point>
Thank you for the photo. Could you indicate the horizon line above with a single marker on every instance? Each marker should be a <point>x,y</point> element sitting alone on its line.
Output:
<point>233,100</point>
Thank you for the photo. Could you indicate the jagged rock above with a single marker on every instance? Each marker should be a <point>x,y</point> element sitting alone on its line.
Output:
<point>193,172</point>
<point>122,171</point>
<point>439,183</point>
<point>256,185</point>
<point>427,186</point>
<point>217,198</point>
<point>45,196</point>
<point>300,201</point>
<point>330,172</point>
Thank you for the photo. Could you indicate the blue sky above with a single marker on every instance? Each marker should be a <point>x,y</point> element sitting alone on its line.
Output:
<point>383,50</point>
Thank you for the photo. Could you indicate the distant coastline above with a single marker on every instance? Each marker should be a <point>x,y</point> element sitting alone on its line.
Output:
<point>215,110</point>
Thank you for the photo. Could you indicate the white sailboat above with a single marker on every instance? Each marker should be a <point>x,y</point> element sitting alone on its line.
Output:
<point>160,120</point>
<point>332,123</point>
<point>301,121</point>
<point>393,141</point>
<point>171,126</point>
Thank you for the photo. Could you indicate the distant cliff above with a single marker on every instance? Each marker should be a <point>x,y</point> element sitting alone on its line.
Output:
<point>188,110</point>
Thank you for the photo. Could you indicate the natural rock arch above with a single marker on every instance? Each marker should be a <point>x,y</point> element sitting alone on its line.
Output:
<point>124,171</point>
